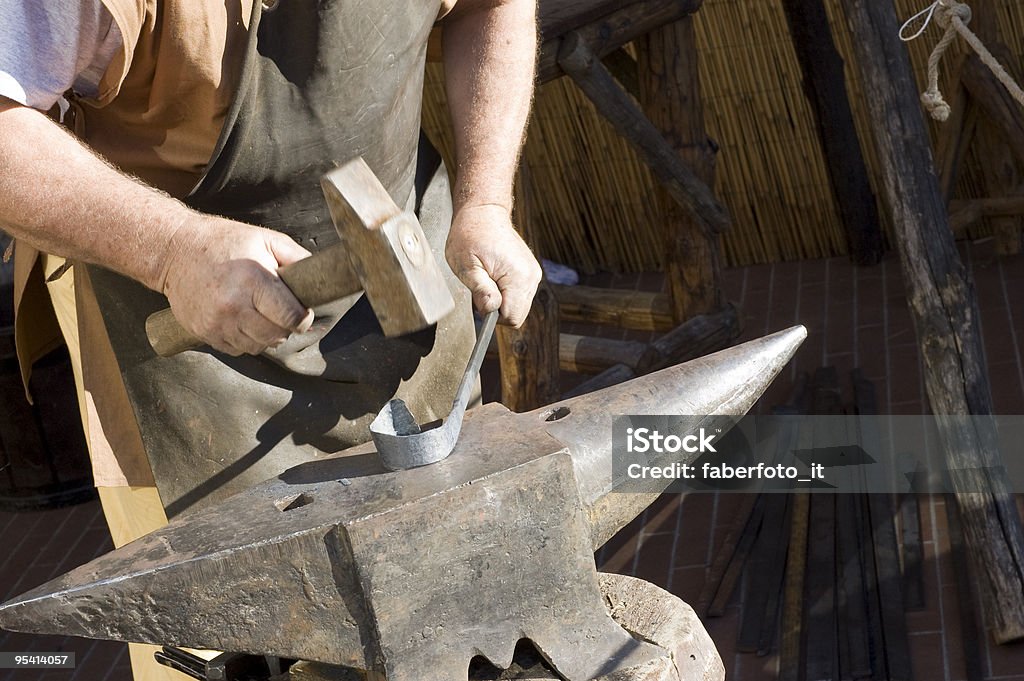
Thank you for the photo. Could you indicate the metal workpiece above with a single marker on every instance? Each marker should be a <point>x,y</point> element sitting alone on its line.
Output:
<point>343,562</point>
<point>403,443</point>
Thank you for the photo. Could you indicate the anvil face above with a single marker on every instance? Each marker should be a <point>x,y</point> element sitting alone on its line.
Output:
<point>339,561</point>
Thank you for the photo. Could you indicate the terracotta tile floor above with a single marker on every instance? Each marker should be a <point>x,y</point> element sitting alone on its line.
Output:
<point>856,317</point>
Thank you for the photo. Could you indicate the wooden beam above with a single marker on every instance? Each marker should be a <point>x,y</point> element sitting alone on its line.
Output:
<point>591,76</point>
<point>670,94</point>
<point>945,314</point>
<point>606,33</point>
<point>825,89</point>
<point>529,354</point>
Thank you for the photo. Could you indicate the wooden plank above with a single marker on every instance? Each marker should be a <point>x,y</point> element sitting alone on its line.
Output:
<point>763,573</point>
<point>737,558</point>
<point>820,649</point>
<point>591,76</point>
<point>670,94</point>
<point>913,574</point>
<point>890,587</point>
<point>970,636</point>
<point>945,314</point>
<point>825,88</point>
<point>793,590</point>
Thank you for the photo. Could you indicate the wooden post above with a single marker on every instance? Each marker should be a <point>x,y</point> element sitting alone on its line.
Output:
<point>825,88</point>
<point>945,315</point>
<point>529,354</point>
<point>671,97</point>
<point>999,168</point>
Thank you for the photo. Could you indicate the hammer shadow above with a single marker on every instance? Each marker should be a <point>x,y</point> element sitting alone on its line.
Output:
<point>362,371</point>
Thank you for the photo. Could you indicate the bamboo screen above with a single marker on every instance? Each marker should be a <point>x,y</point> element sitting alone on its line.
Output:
<point>594,201</point>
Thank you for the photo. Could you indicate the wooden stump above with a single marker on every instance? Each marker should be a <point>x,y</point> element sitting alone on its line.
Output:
<point>646,611</point>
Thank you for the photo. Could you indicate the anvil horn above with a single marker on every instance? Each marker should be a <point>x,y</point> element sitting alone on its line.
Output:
<point>339,561</point>
<point>724,383</point>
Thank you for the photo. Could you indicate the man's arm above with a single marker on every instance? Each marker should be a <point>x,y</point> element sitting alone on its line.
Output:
<point>490,51</point>
<point>219,275</point>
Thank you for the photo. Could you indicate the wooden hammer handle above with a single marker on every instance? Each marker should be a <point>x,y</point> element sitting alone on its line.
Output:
<point>321,278</point>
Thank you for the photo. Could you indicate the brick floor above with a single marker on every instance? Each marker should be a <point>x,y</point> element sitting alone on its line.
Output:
<point>856,317</point>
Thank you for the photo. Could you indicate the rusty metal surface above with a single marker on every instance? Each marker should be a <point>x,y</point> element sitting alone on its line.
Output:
<point>342,562</point>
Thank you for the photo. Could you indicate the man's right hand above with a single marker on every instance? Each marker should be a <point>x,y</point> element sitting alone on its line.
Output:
<point>221,280</point>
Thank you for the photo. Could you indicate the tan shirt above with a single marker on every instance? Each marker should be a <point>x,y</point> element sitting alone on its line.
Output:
<point>157,115</point>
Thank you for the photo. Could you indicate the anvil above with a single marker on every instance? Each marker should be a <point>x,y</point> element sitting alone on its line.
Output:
<point>415,572</point>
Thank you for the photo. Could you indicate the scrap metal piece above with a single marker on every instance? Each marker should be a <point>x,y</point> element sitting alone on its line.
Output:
<point>341,562</point>
<point>403,443</point>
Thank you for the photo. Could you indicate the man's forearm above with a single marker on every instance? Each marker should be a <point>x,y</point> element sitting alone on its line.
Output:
<point>220,276</point>
<point>489,57</point>
<point>59,196</point>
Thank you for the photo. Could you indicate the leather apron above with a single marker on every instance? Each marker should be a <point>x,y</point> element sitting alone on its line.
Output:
<point>322,83</point>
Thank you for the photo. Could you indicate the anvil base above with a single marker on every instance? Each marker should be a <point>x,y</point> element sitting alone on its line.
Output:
<point>641,608</point>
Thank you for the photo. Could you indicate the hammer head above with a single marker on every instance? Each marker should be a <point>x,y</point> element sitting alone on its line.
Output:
<point>387,250</point>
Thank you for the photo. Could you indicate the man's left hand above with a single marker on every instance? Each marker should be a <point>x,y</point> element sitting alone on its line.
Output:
<point>492,260</point>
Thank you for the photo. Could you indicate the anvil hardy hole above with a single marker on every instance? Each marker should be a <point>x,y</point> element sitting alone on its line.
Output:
<point>555,414</point>
<point>290,503</point>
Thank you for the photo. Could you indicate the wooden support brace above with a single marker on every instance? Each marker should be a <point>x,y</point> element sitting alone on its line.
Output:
<point>603,34</point>
<point>593,78</point>
<point>670,94</point>
<point>945,315</point>
<point>529,354</point>
<point>825,88</point>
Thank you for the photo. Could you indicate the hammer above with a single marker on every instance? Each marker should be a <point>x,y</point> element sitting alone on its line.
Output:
<point>383,252</point>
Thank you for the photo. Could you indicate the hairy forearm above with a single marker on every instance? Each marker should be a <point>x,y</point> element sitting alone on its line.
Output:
<point>489,57</point>
<point>57,195</point>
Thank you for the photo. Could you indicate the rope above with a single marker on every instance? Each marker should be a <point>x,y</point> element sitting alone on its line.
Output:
<point>953,16</point>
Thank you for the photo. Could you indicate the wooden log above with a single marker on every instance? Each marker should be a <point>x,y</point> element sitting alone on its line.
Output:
<point>529,354</point>
<point>592,355</point>
<point>699,336</point>
<point>965,213</point>
<point>641,608</point>
<point>640,310</point>
<point>945,314</point>
<point>670,94</point>
<point>612,102</point>
<point>825,89</point>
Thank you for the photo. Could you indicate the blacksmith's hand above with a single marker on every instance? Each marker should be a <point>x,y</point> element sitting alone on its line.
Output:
<point>223,286</point>
<point>492,260</point>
